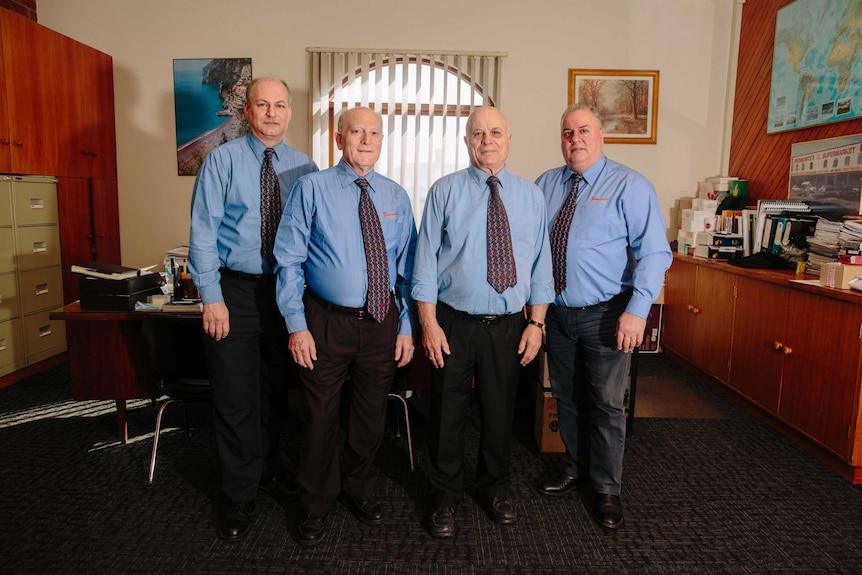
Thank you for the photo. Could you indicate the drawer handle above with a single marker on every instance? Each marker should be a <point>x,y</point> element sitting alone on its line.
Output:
<point>786,350</point>
<point>3,344</point>
<point>37,203</point>
<point>41,289</point>
<point>45,330</point>
<point>39,247</point>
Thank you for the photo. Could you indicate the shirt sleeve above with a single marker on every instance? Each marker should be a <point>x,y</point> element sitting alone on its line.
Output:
<point>291,252</point>
<point>207,211</point>
<point>425,288</point>
<point>648,244</point>
<point>404,269</point>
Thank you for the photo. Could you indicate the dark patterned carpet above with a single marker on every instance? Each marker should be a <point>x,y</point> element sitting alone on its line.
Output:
<point>701,496</point>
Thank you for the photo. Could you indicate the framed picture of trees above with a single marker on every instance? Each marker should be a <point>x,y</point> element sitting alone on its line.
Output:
<point>627,101</point>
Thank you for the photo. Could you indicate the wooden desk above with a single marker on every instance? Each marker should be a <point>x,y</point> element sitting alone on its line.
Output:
<point>110,357</point>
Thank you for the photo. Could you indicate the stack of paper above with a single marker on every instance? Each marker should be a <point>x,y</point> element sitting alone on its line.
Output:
<point>823,245</point>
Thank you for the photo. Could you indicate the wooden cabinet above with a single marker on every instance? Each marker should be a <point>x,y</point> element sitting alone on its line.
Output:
<point>89,214</point>
<point>30,93</point>
<point>698,316</point>
<point>56,119</point>
<point>795,349</point>
<point>757,355</point>
<point>87,122</point>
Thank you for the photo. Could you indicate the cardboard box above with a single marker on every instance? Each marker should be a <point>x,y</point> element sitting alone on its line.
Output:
<point>838,276</point>
<point>703,204</point>
<point>547,422</point>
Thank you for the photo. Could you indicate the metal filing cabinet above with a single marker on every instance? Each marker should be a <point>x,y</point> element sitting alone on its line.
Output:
<point>35,264</point>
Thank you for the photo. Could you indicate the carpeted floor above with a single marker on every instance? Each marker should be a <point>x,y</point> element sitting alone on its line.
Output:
<point>702,495</point>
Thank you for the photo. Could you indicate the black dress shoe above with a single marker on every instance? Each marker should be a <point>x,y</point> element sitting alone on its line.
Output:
<point>236,521</point>
<point>562,485</point>
<point>500,510</point>
<point>280,489</point>
<point>311,531</point>
<point>609,511</point>
<point>441,522</point>
<point>366,510</point>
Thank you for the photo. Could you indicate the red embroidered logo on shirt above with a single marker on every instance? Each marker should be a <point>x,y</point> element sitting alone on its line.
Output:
<point>390,216</point>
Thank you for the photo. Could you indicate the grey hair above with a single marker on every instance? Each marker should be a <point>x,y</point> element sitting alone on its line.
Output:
<point>575,107</point>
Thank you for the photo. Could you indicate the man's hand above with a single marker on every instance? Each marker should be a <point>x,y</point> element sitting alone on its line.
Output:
<point>630,331</point>
<point>434,341</point>
<point>302,348</point>
<point>216,320</point>
<point>530,344</point>
<point>404,349</point>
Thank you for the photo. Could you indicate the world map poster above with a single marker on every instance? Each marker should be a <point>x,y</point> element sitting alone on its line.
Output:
<point>816,64</point>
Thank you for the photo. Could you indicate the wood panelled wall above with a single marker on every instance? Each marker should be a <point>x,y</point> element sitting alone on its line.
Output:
<point>761,158</point>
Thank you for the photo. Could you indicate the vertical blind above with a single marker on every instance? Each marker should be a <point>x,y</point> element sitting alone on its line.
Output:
<point>424,98</point>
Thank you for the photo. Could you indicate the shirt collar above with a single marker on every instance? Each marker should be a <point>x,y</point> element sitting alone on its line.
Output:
<point>349,176</point>
<point>590,174</point>
<point>258,147</point>
<point>481,176</point>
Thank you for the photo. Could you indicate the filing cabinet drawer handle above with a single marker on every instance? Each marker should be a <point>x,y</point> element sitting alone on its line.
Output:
<point>39,247</point>
<point>42,289</point>
<point>3,344</point>
<point>37,203</point>
<point>45,330</point>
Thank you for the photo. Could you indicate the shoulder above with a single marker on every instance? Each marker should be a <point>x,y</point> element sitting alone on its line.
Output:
<point>631,175</point>
<point>550,176</point>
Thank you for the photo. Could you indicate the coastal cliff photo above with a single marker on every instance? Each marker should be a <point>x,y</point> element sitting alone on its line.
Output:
<point>208,103</point>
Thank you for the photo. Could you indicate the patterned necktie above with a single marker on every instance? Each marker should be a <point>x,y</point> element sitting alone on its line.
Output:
<point>560,235</point>
<point>375,254</point>
<point>270,205</point>
<point>501,263</point>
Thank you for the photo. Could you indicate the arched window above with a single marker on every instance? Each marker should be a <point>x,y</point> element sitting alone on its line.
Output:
<point>424,100</point>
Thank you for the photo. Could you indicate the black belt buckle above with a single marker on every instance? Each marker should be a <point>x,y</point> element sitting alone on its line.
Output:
<point>362,314</point>
<point>488,319</point>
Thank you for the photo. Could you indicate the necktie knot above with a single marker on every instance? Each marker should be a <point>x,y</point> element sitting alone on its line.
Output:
<point>362,183</point>
<point>267,154</point>
<point>493,182</point>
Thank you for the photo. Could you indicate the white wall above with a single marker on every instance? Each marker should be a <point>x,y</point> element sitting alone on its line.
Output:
<point>688,41</point>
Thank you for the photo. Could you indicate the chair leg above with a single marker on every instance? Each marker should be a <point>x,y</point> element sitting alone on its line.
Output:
<point>407,425</point>
<point>156,439</point>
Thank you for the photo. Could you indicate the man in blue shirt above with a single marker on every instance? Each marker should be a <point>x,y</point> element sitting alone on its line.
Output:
<point>348,311</point>
<point>471,328</point>
<point>233,270</point>
<point>610,254</point>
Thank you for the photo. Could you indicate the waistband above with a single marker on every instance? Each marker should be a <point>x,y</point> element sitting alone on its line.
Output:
<point>619,296</point>
<point>485,319</point>
<point>244,276</point>
<point>358,313</point>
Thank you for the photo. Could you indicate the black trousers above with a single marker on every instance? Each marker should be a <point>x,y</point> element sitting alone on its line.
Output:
<point>364,351</point>
<point>488,352</point>
<point>249,373</point>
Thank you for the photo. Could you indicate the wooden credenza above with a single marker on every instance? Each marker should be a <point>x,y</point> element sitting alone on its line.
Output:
<point>790,349</point>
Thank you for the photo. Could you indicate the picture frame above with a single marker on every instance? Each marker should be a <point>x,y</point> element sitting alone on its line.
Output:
<point>627,100</point>
<point>827,175</point>
<point>208,106</point>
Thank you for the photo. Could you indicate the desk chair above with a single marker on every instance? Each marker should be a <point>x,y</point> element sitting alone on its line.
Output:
<point>178,357</point>
<point>401,398</point>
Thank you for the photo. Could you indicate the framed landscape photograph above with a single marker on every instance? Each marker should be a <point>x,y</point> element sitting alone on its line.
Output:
<point>208,102</point>
<point>626,99</point>
<point>827,175</point>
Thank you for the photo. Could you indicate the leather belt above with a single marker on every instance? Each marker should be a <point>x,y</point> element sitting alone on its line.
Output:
<point>358,313</point>
<point>484,319</point>
<point>244,276</point>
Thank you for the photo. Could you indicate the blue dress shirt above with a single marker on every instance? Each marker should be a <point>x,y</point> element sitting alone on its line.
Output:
<point>225,219</point>
<point>451,254</point>
<point>319,243</point>
<point>617,240</point>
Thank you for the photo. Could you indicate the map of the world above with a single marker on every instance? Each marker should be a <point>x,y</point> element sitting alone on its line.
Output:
<point>817,64</point>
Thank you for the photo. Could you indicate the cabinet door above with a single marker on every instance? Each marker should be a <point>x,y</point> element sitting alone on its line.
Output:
<point>819,394</point>
<point>86,120</point>
<point>106,220</point>
<point>76,230</point>
<point>31,93</point>
<point>5,137</point>
<point>713,326</point>
<point>678,329</point>
<point>757,356</point>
